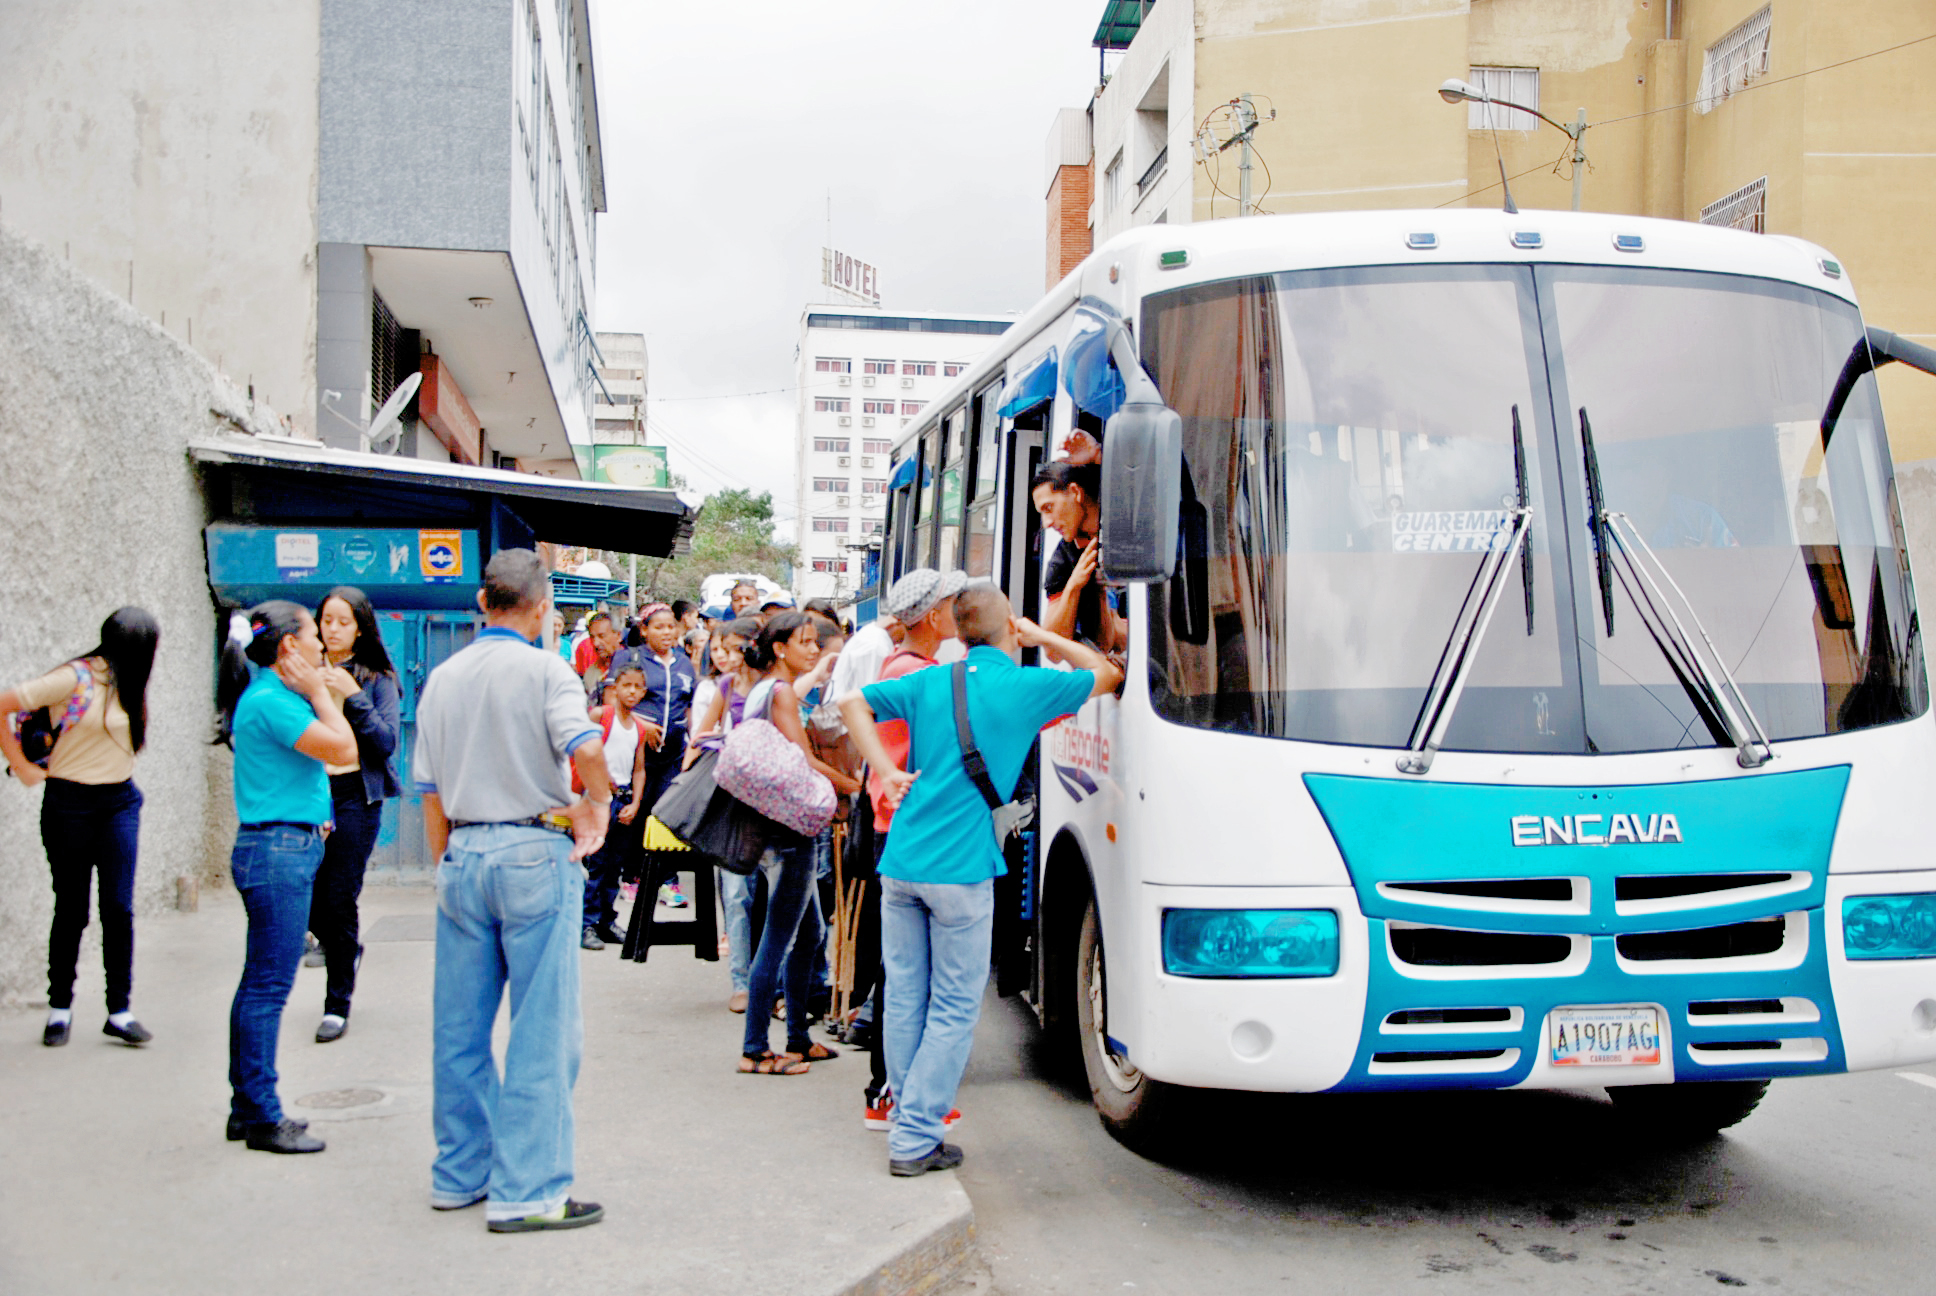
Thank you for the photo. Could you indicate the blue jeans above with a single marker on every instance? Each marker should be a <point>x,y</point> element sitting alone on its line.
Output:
<point>606,865</point>
<point>510,902</point>
<point>275,874</point>
<point>789,885</point>
<point>935,944</point>
<point>736,910</point>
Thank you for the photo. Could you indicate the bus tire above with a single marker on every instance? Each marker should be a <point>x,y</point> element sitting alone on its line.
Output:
<point>1688,1112</point>
<point>1131,1105</point>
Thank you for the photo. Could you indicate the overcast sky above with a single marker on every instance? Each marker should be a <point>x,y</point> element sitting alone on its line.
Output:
<point>726,125</point>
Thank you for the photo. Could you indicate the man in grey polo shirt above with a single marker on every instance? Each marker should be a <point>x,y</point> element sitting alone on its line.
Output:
<point>495,728</point>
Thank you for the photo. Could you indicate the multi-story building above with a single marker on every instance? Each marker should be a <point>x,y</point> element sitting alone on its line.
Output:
<point>372,190</point>
<point>1805,117</point>
<point>863,374</point>
<point>619,449</point>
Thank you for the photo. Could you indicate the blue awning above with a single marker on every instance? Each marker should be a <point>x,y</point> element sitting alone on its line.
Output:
<point>1034,386</point>
<point>1089,376</point>
<point>903,473</point>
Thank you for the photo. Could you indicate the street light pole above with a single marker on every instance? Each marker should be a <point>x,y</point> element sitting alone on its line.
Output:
<point>1453,91</point>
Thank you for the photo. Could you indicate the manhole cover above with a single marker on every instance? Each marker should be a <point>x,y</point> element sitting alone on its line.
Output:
<point>333,1098</point>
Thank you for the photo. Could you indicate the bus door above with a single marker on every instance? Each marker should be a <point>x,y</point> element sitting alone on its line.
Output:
<point>1016,938</point>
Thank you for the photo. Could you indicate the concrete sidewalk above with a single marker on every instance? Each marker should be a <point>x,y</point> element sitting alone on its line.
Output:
<point>114,1173</point>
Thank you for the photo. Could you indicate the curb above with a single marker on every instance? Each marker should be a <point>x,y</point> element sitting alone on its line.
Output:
<point>924,1264</point>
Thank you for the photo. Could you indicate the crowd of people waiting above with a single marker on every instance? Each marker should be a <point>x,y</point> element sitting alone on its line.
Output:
<point>540,769</point>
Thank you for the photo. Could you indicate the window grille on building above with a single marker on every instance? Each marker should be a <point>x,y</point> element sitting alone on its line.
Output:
<point>1509,85</point>
<point>877,366</point>
<point>829,364</point>
<point>385,338</point>
<point>918,368</point>
<point>871,446</point>
<point>830,485</point>
<point>830,445</point>
<point>911,408</point>
<point>1744,209</point>
<point>837,526</point>
<point>830,404</point>
<point>1732,63</point>
<point>952,370</point>
<point>877,407</point>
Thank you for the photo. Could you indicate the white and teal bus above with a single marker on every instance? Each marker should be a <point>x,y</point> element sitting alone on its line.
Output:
<point>1524,685</point>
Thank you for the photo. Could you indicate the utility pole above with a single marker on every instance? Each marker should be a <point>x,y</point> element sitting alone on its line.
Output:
<point>1579,155</point>
<point>1246,123</point>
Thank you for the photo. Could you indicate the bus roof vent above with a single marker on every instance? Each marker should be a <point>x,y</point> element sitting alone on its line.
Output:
<point>1527,240</point>
<point>1175,259</point>
<point>1833,269</point>
<point>1629,243</point>
<point>1422,242</point>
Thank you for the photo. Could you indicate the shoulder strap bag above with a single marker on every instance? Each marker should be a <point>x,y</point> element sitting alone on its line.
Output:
<point>1010,817</point>
<point>38,730</point>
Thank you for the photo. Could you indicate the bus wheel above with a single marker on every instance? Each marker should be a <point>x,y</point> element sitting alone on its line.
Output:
<point>1129,1102</point>
<point>1686,1112</point>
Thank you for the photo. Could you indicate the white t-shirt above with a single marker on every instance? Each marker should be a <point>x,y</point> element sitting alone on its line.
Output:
<point>621,747</point>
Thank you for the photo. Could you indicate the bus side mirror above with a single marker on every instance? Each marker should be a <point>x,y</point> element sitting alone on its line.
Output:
<point>1142,489</point>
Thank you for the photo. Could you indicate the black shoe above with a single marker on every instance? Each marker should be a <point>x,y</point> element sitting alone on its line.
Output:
<point>238,1129</point>
<point>577,1215</point>
<point>946,1156</point>
<point>285,1136</point>
<point>609,934</point>
<point>133,1033</point>
<point>589,940</point>
<point>56,1033</point>
<point>331,1028</point>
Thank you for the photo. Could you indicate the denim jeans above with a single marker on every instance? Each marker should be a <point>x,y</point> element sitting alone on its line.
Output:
<point>509,905</point>
<point>275,874</point>
<point>333,918</point>
<point>935,942</point>
<point>736,912</point>
<point>90,832</point>
<point>606,865</point>
<point>786,939</point>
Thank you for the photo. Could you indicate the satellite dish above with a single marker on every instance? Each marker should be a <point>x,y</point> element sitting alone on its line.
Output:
<point>387,426</point>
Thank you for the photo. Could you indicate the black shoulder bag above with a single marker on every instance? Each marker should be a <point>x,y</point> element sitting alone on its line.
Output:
<point>1010,816</point>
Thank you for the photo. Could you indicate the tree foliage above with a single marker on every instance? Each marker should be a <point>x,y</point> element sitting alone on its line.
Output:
<point>734,533</point>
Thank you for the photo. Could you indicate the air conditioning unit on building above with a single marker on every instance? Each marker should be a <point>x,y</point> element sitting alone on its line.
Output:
<point>907,382</point>
<point>843,501</point>
<point>867,461</point>
<point>867,420</point>
<point>867,381</point>
<point>846,420</point>
<point>845,461</point>
<point>846,380</point>
<point>870,501</point>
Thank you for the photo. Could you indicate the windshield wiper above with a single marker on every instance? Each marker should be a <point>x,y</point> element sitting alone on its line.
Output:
<point>1596,518</point>
<point>1722,697</point>
<point>1469,627</point>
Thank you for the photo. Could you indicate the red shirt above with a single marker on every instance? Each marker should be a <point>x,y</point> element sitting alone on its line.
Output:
<point>894,733</point>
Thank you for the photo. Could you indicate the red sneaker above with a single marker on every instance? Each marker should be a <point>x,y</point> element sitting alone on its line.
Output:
<point>879,1116</point>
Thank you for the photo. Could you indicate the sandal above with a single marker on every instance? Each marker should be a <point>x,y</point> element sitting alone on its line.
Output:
<point>781,1064</point>
<point>816,1052</point>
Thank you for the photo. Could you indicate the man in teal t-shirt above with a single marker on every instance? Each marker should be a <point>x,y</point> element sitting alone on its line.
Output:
<point>937,878</point>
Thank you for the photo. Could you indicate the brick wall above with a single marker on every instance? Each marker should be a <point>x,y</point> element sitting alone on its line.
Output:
<point>1069,236</point>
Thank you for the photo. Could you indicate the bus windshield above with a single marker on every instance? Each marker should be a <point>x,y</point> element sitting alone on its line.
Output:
<point>1350,455</point>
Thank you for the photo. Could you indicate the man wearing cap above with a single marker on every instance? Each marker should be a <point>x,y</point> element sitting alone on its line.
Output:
<point>922,603</point>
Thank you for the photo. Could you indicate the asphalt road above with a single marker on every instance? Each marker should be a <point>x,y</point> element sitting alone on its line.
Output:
<point>1829,1187</point>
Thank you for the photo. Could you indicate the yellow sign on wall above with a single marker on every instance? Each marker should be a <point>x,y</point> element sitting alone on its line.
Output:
<point>441,555</point>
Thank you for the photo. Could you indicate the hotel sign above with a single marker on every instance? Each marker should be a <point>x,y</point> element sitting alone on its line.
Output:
<point>850,275</point>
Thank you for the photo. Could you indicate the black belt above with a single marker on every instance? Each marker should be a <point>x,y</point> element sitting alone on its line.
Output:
<point>535,821</point>
<point>281,823</point>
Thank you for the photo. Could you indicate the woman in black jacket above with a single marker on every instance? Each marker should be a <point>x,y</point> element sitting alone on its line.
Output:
<point>359,674</point>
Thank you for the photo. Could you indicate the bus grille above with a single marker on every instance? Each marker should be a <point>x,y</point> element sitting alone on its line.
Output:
<point>1731,941</point>
<point>1454,947</point>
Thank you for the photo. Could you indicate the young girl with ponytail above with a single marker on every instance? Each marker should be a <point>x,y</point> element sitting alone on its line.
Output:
<point>90,813</point>
<point>285,728</point>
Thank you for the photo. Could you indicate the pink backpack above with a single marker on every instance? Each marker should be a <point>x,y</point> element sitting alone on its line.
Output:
<point>763,768</point>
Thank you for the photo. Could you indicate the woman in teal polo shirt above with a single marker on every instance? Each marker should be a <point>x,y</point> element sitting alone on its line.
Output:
<point>284,729</point>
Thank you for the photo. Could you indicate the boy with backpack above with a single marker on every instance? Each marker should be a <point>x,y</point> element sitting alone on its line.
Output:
<point>937,875</point>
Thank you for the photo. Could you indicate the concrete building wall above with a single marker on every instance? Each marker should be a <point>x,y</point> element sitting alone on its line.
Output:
<point>416,123</point>
<point>1157,74</point>
<point>168,152</point>
<point>97,403</point>
<point>1359,124</point>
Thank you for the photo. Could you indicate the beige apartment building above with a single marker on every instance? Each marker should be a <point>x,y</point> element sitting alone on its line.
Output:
<point>1784,116</point>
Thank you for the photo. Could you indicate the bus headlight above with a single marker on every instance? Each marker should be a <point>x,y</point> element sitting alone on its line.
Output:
<point>1889,927</point>
<point>1250,942</point>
